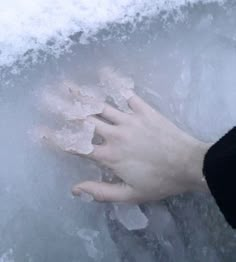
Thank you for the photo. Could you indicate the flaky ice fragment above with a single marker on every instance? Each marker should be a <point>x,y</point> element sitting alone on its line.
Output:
<point>76,141</point>
<point>85,197</point>
<point>130,216</point>
<point>58,105</point>
<point>91,97</point>
<point>74,102</point>
<point>91,239</point>
<point>116,86</point>
<point>83,91</point>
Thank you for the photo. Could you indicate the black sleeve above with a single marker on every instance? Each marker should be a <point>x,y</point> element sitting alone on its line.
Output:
<point>220,172</point>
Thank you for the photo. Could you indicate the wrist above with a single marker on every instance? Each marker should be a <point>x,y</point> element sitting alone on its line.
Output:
<point>194,158</point>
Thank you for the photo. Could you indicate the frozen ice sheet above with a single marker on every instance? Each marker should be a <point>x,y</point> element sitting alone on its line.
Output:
<point>178,64</point>
<point>130,216</point>
<point>7,256</point>
<point>91,239</point>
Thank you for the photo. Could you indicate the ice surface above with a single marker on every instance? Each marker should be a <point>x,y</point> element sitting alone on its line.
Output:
<point>57,105</point>
<point>117,86</point>
<point>184,69</point>
<point>130,216</point>
<point>162,223</point>
<point>74,102</point>
<point>78,141</point>
<point>77,103</point>
<point>7,256</point>
<point>90,239</point>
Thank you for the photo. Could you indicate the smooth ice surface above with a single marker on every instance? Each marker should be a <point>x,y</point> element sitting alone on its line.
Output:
<point>130,216</point>
<point>182,64</point>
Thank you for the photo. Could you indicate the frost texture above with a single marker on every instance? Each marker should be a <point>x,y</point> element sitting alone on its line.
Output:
<point>90,238</point>
<point>173,67</point>
<point>78,142</point>
<point>42,23</point>
<point>7,256</point>
<point>130,216</point>
<point>75,102</point>
<point>57,105</point>
<point>117,87</point>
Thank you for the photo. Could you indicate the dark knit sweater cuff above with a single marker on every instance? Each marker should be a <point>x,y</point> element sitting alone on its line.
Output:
<point>220,172</point>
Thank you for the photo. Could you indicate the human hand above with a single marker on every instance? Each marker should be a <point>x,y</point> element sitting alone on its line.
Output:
<point>153,158</point>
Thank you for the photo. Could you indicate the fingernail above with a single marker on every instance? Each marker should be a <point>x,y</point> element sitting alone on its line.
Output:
<point>76,191</point>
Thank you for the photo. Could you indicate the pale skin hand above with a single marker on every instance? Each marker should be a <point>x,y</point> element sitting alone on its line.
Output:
<point>152,157</point>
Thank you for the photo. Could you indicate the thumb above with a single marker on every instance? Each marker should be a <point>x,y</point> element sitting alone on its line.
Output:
<point>102,191</point>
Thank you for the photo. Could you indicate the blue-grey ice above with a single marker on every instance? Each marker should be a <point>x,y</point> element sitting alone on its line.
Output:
<point>179,55</point>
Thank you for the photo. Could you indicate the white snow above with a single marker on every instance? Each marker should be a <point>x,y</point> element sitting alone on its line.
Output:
<point>33,25</point>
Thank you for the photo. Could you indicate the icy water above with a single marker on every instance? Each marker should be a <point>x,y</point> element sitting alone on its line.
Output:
<point>182,62</point>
